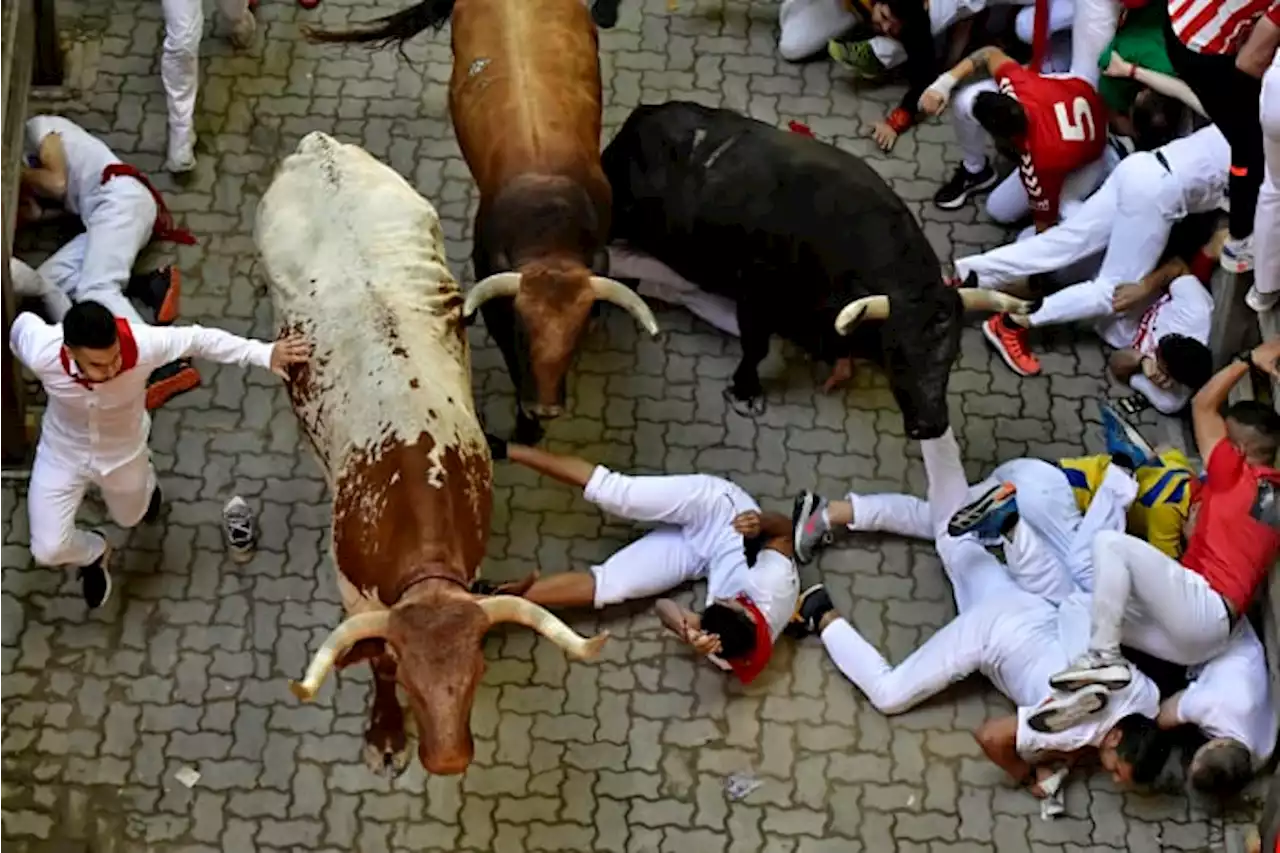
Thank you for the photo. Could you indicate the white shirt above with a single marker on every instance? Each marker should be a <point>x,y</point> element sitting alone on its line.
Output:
<point>1231,697</point>
<point>104,426</point>
<point>87,156</point>
<point>1186,308</point>
<point>1200,162</point>
<point>1024,651</point>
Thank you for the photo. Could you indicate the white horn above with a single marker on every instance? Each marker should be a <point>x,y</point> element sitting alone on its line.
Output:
<point>498,284</point>
<point>511,608</point>
<point>979,299</point>
<point>866,308</point>
<point>363,626</point>
<point>624,297</point>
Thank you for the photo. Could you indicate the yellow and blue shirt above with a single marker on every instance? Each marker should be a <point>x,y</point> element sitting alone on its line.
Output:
<point>1164,498</point>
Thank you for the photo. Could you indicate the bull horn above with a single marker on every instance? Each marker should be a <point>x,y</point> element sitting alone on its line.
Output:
<point>624,297</point>
<point>363,626</point>
<point>498,284</point>
<point>509,608</point>
<point>981,299</point>
<point>866,308</point>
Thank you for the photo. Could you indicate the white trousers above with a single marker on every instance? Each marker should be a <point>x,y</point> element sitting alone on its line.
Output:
<point>180,62</point>
<point>698,508</point>
<point>661,282</point>
<point>57,489</point>
<point>982,587</point>
<point>1129,217</point>
<point>1092,29</point>
<point>1008,203</point>
<point>97,263</point>
<point>1177,616</point>
<point>1266,222</point>
<point>807,26</point>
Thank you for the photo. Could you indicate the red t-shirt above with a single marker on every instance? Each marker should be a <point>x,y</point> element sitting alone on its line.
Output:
<point>1066,129</point>
<point>1231,547</point>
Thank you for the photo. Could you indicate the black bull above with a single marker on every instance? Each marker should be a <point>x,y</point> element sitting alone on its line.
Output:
<point>792,229</point>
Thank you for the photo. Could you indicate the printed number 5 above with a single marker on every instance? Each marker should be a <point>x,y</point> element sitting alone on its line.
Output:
<point>1079,126</point>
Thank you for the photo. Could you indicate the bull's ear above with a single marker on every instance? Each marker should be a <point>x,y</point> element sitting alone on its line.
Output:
<point>370,649</point>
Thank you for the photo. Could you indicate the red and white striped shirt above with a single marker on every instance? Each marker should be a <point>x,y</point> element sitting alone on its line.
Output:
<point>1218,27</point>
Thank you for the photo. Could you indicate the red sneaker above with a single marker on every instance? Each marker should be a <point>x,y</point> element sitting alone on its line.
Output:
<point>170,380</point>
<point>1012,345</point>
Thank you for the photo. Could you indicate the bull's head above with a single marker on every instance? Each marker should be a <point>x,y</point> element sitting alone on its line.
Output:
<point>920,349</point>
<point>550,305</point>
<point>437,643</point>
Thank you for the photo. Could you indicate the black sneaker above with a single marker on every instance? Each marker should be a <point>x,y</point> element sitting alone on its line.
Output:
<point>814,603</point>
<point>479,586</point>
<point>605,13</point>
<point>153,508</point>
<point>160,290</point>
<point>963,184</point>
<point>95,578</point>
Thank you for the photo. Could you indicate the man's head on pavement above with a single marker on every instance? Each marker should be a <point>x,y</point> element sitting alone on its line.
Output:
<point>728,621</point>
<point>1185,360</point>
<point>1001,116</point>
<point>90,335</point>
<point>886,18</point>
<point>1221,768</point>
<point>1254,428</point>
<point>1156,119</point>
<point>1135,751</point>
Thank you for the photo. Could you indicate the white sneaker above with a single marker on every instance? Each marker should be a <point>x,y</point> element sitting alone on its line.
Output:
<point>1106,668</point>
<point>239,529</point>
<point>1259,301</point>
<point>1237,255</point>
<point>1067,711</point>
<point>182,155</point>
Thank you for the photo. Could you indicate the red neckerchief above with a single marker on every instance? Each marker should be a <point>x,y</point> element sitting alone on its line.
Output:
<point>128,354</point>
<point>752,664</point>
<point>164,228</point>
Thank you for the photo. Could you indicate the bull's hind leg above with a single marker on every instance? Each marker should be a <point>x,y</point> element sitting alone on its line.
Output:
<point>386,747</point>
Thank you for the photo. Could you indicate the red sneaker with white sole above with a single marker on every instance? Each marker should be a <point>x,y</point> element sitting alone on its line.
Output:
<point>1011,343</point>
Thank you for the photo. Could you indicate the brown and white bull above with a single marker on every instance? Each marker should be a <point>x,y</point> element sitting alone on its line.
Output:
<point>355,259</point>
<point>525,98</point>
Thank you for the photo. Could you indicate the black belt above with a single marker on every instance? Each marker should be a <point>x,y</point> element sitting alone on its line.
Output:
<point>1233,618</point>
<point>1163,162</point>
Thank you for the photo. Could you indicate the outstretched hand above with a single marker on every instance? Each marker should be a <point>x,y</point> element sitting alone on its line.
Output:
<point>1266,357</point>
<point>287,352</point>
<point>1117,66</point>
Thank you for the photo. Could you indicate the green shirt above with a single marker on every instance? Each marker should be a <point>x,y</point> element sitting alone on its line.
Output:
<point>1140,40</point>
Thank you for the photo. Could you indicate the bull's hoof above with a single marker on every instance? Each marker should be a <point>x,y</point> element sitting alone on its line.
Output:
<point>383,757</point>
<point>747,407</point>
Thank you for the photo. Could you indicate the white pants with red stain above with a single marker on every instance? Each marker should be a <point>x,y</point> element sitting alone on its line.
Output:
<point>1266,223</point>
<point>58,488</point>
<point>180,63</point>
<point>1008,203</point>
<point>1129,217</point>
<point>96,264</point>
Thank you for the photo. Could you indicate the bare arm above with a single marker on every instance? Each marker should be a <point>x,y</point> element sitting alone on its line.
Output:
<point>1206,407</point>
<point>49,179</point>
<point>985,59</point>
<point>1170,86</point>
<point>999,741</point>
<point>1168,717</point>
<point>1258,52</point>
<point>566,469</point>
<point>775,527</point>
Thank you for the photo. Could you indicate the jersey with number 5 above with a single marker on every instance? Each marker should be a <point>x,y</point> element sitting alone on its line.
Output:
<point>1066,129</point>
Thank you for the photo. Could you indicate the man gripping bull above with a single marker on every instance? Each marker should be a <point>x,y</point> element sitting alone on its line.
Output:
<point>712,529</point>
<point>94,367</point>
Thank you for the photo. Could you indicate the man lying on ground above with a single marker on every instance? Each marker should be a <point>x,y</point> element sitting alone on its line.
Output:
<point>711,530</point>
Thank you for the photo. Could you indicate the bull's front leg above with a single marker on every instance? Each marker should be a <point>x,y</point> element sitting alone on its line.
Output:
<point>746,394</point>
<point>386,747</point>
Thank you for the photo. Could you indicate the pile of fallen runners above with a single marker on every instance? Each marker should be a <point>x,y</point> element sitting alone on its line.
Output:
<point>1118,619</point>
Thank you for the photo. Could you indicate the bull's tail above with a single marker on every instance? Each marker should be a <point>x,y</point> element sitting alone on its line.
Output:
<point>396,28</point>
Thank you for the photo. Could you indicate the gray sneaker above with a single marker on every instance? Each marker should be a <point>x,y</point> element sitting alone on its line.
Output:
<point>239,529</point>
<point>810,528</point>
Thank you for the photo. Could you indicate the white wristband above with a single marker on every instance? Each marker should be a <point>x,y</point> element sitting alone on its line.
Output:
<point>944,84</point>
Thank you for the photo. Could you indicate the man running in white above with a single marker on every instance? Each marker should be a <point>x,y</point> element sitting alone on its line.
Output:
<point>1002,631</point>
<point>121,213</point>
<point>180,67</point>
<point>94,367</point>
<point>1130,216</point>
<point>1265,292</point>
<point>1187,611</point>
<point>711,529</point>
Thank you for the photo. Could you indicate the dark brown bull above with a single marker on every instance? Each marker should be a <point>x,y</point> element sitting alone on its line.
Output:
<point>356,262</point>
<point>526,105</point>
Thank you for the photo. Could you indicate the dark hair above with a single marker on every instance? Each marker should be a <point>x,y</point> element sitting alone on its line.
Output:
<point>89,325</point>
<point>735,629</point>
<point>1186,360</point>
<point>1001,115</point>
<point>1156,119</point>
<point>1143,746</point>
<point>1189,235</point>
<point>1264,422</point>
<point>1221,769</point>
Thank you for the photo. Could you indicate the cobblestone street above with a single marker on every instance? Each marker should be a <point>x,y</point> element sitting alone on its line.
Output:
<point>187,665</point>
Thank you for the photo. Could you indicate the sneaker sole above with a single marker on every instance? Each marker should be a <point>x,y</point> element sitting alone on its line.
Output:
<point>998,346</point>
<point>168,310</point>
<point>241,555</point>
<point>1112,678</point>
<point>968,517</point>
<point>1128,430</point>
<point>181,382</point>
<point>798,627</point>
<point>106,575</point>
<point>963,199</point>
<point>808,502</point>
<point>1070,712</point>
